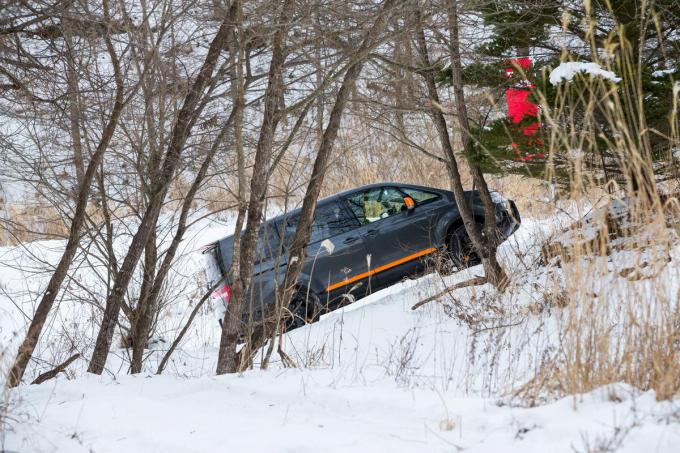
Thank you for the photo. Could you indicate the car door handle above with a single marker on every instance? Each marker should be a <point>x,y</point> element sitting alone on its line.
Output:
<point>351,239</point>
<point>371,233</point>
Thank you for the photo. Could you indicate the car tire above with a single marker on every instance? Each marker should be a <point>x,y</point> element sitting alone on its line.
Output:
<point>304,308</point>
<point>460,252</point>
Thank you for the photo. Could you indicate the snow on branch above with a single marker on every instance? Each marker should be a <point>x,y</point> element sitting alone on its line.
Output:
<point>567,70</point>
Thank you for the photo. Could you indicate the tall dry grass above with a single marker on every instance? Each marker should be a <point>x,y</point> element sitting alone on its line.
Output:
<point>30,221</point>
<point>621,275</point>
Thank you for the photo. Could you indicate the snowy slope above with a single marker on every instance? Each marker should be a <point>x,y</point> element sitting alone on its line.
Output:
<point>374,376</point>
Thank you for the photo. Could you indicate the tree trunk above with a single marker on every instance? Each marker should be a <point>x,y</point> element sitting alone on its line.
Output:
<point>494,272</point>
<point>143,312</point>
<point>298,249</point>
<point>147,313</point>
<point>297,253</point>
<point>232,325</point>
<point>74,113</point>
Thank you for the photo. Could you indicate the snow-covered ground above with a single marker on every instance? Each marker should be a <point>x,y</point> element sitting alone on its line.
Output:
<point>310,410</point>
<point>374,376</point>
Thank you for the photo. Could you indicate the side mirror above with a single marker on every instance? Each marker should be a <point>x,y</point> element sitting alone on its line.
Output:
<point>410,203</point>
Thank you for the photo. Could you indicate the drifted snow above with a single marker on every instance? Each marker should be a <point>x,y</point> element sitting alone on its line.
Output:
<point>567,70</point>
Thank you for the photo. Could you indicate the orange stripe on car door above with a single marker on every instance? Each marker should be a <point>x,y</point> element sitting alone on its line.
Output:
<point>382,268</point>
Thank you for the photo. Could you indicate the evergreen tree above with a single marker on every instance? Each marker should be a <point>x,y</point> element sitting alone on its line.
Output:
<point>639,42</point>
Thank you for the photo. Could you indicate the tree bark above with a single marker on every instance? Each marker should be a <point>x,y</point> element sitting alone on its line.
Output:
<point>148,311</point>
<point>74,113</point>
<point>143,313</point>
<point>54,372</point>
<point>181,131</point>
<point>494,272</point>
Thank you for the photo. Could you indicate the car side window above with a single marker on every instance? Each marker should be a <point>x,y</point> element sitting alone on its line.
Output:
<point>329,220</point>
<point>420,196</point>
<point>375,204</point>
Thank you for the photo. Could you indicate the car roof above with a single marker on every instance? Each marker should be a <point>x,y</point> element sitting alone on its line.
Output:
<point>384,184</point>
<point>345,193</point>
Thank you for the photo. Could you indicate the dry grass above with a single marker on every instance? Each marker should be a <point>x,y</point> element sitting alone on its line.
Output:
<point>387,160</point>
<point>29,222</point>
<point>621,321</point>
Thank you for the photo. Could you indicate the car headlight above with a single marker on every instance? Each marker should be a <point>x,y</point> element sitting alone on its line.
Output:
<point>499,199</point>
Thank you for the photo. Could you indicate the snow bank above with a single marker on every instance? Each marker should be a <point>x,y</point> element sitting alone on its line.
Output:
<point>308,411</point>
<point>567,70</point>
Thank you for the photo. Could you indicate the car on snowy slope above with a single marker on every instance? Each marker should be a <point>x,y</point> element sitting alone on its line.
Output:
<point>362,240</point>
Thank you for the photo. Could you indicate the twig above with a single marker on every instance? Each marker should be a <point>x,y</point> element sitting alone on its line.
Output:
<point>47,375</point>
<point>285,358</point>
<point>502,326</point>
<point>472,282</point>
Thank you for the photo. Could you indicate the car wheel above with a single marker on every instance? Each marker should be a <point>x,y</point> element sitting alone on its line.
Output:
<point>304,308</point>
<point>460,252</point>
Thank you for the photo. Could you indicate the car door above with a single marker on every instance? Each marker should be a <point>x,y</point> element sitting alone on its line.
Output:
<point>428,210</point>
<point>396,238</point>
<point>269,265</point>
<point>335,252</point>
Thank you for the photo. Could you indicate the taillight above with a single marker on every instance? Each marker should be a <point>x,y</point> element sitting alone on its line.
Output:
<point>223,293</point>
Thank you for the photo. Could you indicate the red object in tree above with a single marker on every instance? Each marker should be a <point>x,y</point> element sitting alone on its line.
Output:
<point>223,293</point>
<point>531,129</point>
<point>520,107</point>
<point>523,62</point>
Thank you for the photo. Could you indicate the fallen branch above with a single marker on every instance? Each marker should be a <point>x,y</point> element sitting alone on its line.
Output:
<point>472,282</point>
<point>47,375</point>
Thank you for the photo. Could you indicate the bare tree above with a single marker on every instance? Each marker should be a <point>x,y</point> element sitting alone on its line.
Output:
<point>273,99</point>
<point>148,308</point>
<point>298,248</point>
<point>184,123</point>
<point>485,245</point>
<point>53,287</point>
<point>487,249</point>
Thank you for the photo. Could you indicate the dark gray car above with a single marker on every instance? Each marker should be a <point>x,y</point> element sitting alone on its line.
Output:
<point>362,240</point>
